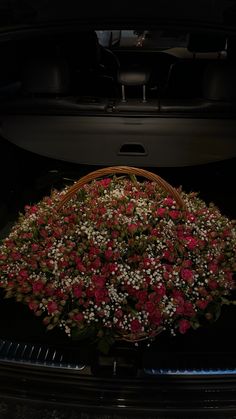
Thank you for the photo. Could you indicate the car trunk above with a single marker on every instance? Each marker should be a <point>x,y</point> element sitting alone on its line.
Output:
<point>55,130</point>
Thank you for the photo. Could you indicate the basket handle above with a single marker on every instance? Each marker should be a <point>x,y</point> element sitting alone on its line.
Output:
<point>121,170</point>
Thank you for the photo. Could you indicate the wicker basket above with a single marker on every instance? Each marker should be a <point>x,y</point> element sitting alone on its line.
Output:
<point>189,247</point>
<point>124,170</point>
<point>121,170</point>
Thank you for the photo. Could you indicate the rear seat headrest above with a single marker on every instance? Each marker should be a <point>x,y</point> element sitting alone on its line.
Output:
<point>133,77</point>
<point>206,42</point>
<point>45,76</point>
<point>219,81</point>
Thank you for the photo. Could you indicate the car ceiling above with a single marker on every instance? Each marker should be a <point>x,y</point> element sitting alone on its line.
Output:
<point>205,12</point>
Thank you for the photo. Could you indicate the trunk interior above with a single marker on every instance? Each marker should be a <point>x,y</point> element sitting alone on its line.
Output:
<point>64,114</point>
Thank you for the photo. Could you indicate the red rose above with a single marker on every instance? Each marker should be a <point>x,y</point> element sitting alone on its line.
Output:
<point>37,286</point>
<point>188,309</point>
<point>114,234</point>
<point>93,251</point>
<point>213,267</point>
<point>150,307</point>
<point>24,274</point>
<point>34,247</point>
<point>160,212</point>
<point>202,304</point>
<point>99,281</point>
<point>108,254</point>
<point>130,208</point>
<point>142,296</point>
<point>174,214</point>
<point>32,209</point>
<point>187,263</point>
<point>192,242</point>
<point>119,313</point>
<point>177,294</point>
<point>187,275</point>
<point>96,263</point>
<point>191,217</point>
<point>202,291</point>
<point>52,307</point>
<point>77,291</point>
<point>33,305</point>
<point>80,267</point>
<point>161,290</point>
<point>184,325</point>
<point>212,284</point>
<point>111,267</point>
<point>179,310</point>
<point>132,228</point>
<point>168,201</point>
<point>105,182</point>
<point>135,326</point>
<point>43,233</point>
<point>78,317</point>
<point>155,318</point>
<point>100,295</point>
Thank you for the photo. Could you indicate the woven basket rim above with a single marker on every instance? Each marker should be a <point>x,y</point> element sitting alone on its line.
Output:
<point>125,170</point>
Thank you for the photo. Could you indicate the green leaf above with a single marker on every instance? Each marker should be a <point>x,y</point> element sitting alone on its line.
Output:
<point>215,310</point>
<point>133,179</point>
<point>85,333</point>
<point>195,324</point>
<point>104,344</point>
<point>81,194</point>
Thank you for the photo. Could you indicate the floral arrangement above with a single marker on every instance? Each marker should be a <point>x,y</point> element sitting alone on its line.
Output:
<point>120,260</point>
